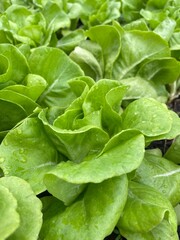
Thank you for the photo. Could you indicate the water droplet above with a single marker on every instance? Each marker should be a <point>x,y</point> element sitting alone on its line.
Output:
<point>21,150</point>
<point>23,160</point>
<point>19,131</point>
<point>176,148</point>
<point>1,159</point>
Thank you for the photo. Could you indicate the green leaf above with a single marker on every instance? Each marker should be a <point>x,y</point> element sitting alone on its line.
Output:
<point>116,158</point>
<point>56,68</point>
<point>28,208</point>
<point>34,86</point>
<point>93,216</point>
<point>139,24</point>
<point>151,211</point>
<point>163,71</point>
<point>130,9</point>
<point>139,87</point>
<point>87,62</point>
<point>9,220</point>
<point>55,17</point>
<point>106,96</point>
<point>173,153</point>
<point>166,28</point>
<point>174,131</point>
<point>68,42</point>
<point>22,158</point>
<point>160,174</point>
<point>109,40</point>
<point>90,138</point>
<point>11,114</point>
<point>137,47</point>
<point>21,100</point>
<point>148,116</point>
<point>13,67</point>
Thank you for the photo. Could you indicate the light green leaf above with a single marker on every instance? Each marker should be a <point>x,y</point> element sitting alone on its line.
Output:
<point>137,47</point>
<point>90,139</point>
<point>139,24</point>
<point>162,231</point>
<point>166,28</point>
<point>13,65</point>
<point>56,68</point>
<point>163,71</point>
<point>22,158</point>
<point>139,87</point>
<point>28,208</point>
<point>68,42</point>
<point>160,174</point>
<point>26,103</point>
<point>106,95</point>
<point>55,17</point>
<point>34,86</point>
<point>9,220</point>
<point>109,40</point>
<point>116,158</point>
<point>174,131</point>
<point>173,153</point>
<point>93,216</point>
<point>148,116</point>
<point>87,62</point>
<point>130,9</point>
<point>145,209</point>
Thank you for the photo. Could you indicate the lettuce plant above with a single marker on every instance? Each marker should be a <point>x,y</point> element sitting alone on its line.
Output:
<point>84,93</point>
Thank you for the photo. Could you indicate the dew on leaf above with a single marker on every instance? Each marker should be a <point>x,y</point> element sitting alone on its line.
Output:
<point>1,159</point>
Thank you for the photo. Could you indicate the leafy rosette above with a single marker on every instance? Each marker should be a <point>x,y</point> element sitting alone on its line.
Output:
<point>87,152</point>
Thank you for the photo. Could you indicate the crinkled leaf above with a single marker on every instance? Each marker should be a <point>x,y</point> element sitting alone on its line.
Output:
<point>108,11</point>
<point>90,139</point>
<point>28,208</point>
<point>94,216</point>
<point>9,220</point>
<point>21,156</point>
<point>148,116</point>
<point>154,18</point>
<point>56,68</point>
<point>160,174</point>
<point>106,95</point>
<point>116,158</point>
